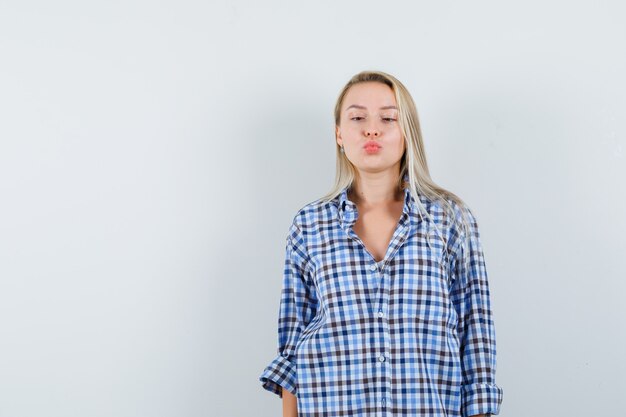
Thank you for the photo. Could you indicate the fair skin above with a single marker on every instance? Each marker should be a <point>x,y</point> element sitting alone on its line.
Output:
<point>290,404</point>
<point>369,113</point>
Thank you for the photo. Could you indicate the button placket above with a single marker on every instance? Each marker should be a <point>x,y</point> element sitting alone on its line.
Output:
<point>383,325</point>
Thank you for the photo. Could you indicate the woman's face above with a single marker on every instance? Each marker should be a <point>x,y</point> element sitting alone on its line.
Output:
<point>369,131</point>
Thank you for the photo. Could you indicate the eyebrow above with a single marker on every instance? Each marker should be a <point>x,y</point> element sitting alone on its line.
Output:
<point>357,106</point>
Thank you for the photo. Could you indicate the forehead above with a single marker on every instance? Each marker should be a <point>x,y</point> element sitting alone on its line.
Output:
<point>370,94</point>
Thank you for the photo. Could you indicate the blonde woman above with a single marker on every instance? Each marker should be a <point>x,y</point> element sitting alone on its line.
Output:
<point>385,307</point>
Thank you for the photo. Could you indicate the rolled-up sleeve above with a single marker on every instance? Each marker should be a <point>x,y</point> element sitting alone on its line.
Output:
<point>298,304</point>
<point>475,328</point>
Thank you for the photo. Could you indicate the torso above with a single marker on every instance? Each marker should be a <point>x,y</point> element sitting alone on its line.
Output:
<point>375,227</point>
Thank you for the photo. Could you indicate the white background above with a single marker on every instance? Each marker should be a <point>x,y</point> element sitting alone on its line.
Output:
<point>153,154</point>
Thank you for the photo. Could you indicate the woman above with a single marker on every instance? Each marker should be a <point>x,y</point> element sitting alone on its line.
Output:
<point>385,304</point>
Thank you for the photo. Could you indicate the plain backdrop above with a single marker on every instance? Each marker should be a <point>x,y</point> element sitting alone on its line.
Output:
<point>153,155</point>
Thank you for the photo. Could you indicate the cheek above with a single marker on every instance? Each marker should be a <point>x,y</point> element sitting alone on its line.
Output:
<point>400,147</point>
<point>349,132</point>
<point>398,140</point>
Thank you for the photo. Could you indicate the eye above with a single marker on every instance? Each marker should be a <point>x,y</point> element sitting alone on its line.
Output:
<point>357,118</point>
<point>389,119</point>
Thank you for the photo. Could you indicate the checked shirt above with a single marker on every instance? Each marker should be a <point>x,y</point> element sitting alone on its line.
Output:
<point>411,335</point>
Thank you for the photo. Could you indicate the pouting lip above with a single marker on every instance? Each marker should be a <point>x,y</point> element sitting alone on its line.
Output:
<point>371,143</point>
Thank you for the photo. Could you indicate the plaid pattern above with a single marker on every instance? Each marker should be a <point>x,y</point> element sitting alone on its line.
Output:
<point>411,336</point>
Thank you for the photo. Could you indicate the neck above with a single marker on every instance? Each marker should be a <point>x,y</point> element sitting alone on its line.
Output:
<point>375,189</point>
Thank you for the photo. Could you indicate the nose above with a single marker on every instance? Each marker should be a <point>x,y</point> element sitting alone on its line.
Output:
<point>372,131</point>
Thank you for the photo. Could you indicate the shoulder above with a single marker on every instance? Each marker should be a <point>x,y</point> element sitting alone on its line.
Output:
<point>446,211</point>
<point>311,216</point>
<point>462,212</point>
<point>305,227</point>
<point>455,217</point>
<point>464,232</point>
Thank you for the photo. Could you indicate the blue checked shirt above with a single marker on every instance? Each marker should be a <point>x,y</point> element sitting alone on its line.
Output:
<point>412,335</point>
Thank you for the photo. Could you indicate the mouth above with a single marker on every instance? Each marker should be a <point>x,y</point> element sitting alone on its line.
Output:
<point>371,146</point>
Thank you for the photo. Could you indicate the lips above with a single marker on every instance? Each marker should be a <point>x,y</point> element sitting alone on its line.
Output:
<point>371,147</point>
<point>371,144</point>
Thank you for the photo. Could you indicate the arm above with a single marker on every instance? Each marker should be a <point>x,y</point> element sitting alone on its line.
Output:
<point>298,305</point>
<point>290,407</point>
<point>470,296</point>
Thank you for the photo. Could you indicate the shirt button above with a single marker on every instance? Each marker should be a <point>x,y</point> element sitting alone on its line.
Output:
<point>381,358</point>
<point>348,207</point>
<point>382,402</point>
<point>381,314</point>
<point>373,268</point>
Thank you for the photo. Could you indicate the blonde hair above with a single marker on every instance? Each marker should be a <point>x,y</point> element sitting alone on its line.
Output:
<point>413,160</point>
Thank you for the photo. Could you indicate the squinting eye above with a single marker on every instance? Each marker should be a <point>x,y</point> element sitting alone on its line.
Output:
<point>357,118</point>
<point>389,119</point>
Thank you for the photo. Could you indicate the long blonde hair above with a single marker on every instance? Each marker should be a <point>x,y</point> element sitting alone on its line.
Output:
<point>413,160</point>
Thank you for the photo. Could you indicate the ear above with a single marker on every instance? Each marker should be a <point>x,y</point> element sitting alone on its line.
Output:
<point>338,136</point>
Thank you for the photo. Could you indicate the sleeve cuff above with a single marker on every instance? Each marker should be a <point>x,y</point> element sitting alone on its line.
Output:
<point>279,373</point>
<point>481,399</point>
